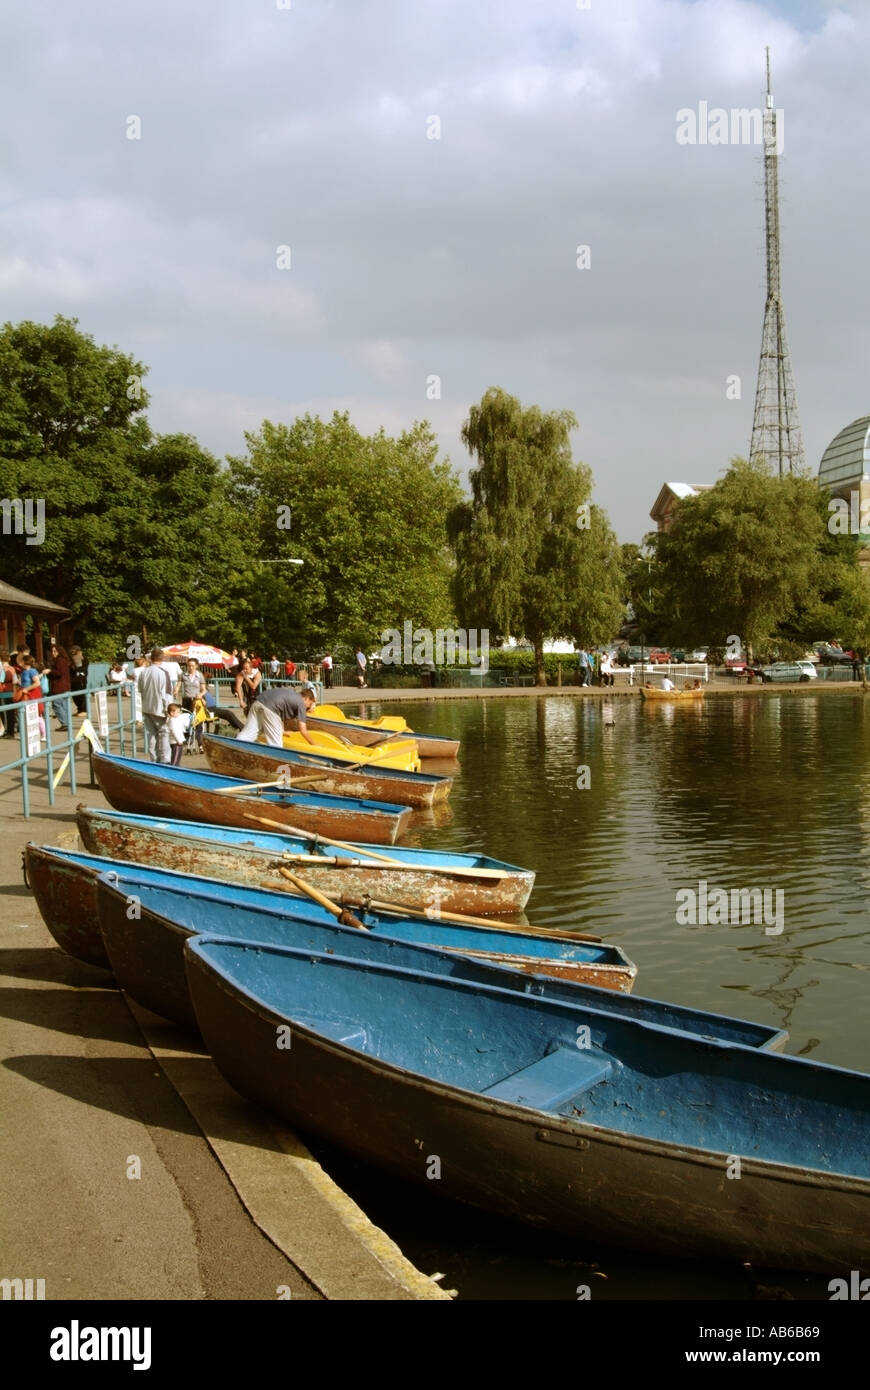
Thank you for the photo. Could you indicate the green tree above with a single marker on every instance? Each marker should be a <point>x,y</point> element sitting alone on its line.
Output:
<point>742,559</point>
<point>366,515</point>
<point>137,533</point>
<point>534,557</point>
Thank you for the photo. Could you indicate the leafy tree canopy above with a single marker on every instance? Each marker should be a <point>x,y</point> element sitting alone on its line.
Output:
<point>534,558</point>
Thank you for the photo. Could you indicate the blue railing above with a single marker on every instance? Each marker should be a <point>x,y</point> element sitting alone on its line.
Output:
<point>113,717</point>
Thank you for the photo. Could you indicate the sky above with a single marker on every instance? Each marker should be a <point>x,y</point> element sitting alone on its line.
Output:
<point>431,167</point>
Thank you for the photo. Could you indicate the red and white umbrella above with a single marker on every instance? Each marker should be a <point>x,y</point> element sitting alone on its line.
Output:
<point>199,651</point>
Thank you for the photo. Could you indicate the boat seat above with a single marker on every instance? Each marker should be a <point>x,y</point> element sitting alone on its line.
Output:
<point>552,1080</point>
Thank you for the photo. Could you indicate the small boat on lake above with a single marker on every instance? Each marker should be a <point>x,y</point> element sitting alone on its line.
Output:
<point>654,692</point>
<point>472,883</point>
<point>585,1124</point>
<point>369,732</point>
<point>147,956</point>
<point>401,753</point>
<point>64,885</point>
<point>374,781</point>
<point>131,784</point>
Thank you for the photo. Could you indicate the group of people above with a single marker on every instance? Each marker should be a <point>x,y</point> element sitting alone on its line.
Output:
<point>586,665</point>
<point>277,668</point>
<point>164,699</point>
<point>24,680</point>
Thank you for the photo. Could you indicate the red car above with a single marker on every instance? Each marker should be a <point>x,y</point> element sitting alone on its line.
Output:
<point>659,657</point>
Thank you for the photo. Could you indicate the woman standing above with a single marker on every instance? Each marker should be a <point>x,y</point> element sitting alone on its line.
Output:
<point>59,682</point>
<point>192,689</point>
<point>78,677</point>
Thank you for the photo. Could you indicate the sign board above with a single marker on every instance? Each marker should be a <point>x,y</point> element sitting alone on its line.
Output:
<point>137,705</point>
<point>31,727</point>
<point>102,713</point>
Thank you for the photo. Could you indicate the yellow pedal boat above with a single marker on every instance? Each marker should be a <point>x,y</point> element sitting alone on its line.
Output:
<point>654,693</point>
<point>401,753</point>
<point>372,733</point>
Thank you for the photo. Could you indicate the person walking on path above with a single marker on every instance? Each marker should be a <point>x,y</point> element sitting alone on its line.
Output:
<point>361,664</point>
<point>59,683</point>
<point>326,664</point>
<point>8,684</point>
<point>155,696</point>
<point>585,666</point>
<point>272,710</point>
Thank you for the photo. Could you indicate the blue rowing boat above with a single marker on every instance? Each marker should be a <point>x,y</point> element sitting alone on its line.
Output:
<point>146,952</point>
<point>64,885</point>
<point>131,784</point>
<point>572,1120</point>
<point>417,878</point>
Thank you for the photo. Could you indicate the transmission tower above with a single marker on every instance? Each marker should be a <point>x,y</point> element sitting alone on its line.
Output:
<point>776,428</point>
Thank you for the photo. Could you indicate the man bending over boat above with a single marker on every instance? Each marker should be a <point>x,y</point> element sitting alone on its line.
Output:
<point>274,708</point>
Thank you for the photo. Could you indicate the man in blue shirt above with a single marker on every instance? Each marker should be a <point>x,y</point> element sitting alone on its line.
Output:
<point>271,710</point>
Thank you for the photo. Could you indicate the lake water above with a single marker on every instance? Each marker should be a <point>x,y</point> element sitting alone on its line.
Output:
<point>768,793</point>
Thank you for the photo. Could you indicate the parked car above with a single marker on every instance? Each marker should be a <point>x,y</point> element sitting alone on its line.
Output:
<point>627,656</point>
<point>699,654</point>
<point>659,657</point>
<point>788,671</point>
<point>831,655</point>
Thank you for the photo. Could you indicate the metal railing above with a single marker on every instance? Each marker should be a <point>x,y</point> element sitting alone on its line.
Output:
<point>107,713</point>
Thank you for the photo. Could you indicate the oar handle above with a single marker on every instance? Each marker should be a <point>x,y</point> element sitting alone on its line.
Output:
<point>341,913</point>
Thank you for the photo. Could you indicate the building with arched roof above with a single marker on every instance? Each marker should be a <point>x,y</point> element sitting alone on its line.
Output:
<point>845,465</point>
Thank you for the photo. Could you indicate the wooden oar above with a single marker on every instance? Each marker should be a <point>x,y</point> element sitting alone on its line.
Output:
<point>462,919</point>
<point>346,918</point>
<point>251,786</point>
<point>321,839</point>
<point>330,862</point>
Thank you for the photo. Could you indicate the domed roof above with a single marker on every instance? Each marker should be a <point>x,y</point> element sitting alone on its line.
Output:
<point>847,457</point>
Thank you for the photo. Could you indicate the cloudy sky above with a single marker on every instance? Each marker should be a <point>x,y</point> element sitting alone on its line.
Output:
<point>310,127</point>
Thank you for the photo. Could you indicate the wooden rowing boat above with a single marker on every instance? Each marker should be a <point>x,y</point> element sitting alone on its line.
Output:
<point>591,1126</point>
<point>472,883</point>
<point>130,784</point>
<point>147,955</point>
<point>654,693</point>
<point>369,732</point>
<point>256,761</point>
<point>74,923</point>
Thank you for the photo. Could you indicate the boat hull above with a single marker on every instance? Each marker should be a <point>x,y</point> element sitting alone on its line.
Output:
<point>419,887</point>
<point>67,902</point>
<point>131,786</point>
<point>552,954</point>
<point>567,1175</point>
<point>261,762</point>
<point>367,735</point>
<point>146,953</point>
<point>679,695</point>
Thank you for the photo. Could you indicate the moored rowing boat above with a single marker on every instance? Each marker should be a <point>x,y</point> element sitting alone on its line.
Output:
<point>132,785</point>
<point>473,883</point>
<point>261,761</point>
<point>594,1127</point>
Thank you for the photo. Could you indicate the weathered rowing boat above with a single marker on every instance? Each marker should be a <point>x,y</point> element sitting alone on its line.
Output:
<point>147,955</point>
<point>368,732</point>
<point>133,785</point>
<point>255,761</point>
<point>654,693</point>
<point>471,883</point>
<point>585,1124</point>
<point>72,920</point>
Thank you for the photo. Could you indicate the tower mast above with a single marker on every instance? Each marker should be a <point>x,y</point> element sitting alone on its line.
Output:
<point>776,429</point>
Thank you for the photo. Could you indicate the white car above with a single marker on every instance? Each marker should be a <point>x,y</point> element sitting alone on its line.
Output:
<point>789,671</point>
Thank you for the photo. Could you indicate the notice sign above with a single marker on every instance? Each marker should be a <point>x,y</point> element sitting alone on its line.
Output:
<point>137,707</point>
<point>102,713</point>
<point>31,727</point>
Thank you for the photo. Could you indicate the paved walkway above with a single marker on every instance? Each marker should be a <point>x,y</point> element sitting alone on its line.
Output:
<point>227,1205</point>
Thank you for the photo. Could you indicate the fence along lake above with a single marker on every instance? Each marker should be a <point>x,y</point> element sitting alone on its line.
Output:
<point>731,793</point>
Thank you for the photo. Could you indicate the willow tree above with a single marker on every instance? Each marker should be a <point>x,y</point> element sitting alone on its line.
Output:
<point>534,558</point>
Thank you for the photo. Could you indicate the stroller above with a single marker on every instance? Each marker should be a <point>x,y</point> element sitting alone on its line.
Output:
<point>199,717</point>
